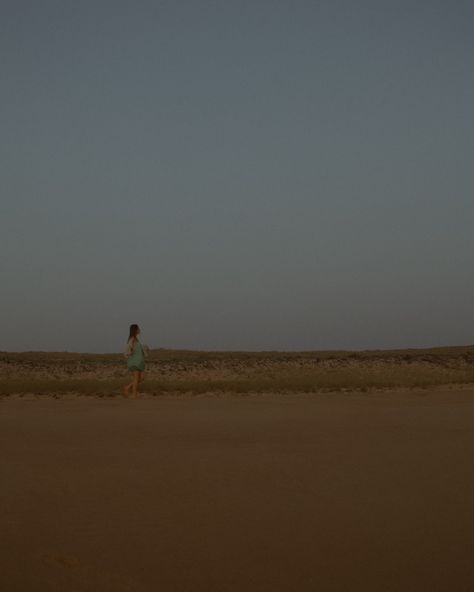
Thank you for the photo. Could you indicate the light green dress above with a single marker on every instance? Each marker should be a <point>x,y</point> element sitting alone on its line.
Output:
<point>136,359</point>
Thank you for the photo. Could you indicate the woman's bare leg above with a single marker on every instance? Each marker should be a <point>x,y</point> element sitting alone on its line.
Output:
<point>126,389</point>
<point>137,377</point>
<point>136,380</point>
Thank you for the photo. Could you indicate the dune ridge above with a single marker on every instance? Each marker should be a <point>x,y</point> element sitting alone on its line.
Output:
<point>197,372</point>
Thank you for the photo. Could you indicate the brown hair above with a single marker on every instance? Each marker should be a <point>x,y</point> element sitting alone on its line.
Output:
<point>133,331</point>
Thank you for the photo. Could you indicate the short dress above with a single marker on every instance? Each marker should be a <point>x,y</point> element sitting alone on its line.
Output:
<point>135,357</point>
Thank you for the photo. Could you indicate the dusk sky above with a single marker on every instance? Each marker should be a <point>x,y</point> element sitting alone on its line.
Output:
<point>236,175</point>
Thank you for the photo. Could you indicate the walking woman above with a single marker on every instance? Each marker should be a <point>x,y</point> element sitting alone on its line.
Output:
<point>135,355</point>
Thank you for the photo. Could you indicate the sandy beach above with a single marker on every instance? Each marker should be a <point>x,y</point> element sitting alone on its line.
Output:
<point>328,492</point>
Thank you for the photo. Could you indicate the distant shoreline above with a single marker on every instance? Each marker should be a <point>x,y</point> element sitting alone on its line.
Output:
<point>182,352</point>
<point>197,372</point>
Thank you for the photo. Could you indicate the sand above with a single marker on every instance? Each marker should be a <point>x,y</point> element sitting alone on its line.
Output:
<point>326,492</point>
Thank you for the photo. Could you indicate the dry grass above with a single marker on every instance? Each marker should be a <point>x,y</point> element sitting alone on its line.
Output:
<point>171,371</point>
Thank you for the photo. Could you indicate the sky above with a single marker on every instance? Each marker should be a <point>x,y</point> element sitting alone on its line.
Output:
<point>238,175</point>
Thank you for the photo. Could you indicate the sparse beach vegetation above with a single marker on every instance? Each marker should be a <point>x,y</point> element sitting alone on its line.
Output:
<point>198,372</point>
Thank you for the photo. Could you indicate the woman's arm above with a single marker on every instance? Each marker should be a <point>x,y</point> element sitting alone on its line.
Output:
<point>129,349</point>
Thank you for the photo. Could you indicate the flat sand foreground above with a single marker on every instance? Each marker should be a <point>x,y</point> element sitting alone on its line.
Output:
<point>322,492</point>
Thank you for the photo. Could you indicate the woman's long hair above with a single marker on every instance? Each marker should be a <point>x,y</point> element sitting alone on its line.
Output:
<point>133,331</point>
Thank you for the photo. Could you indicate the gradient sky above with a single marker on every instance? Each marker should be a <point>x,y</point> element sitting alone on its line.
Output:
<point>236,175</point>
